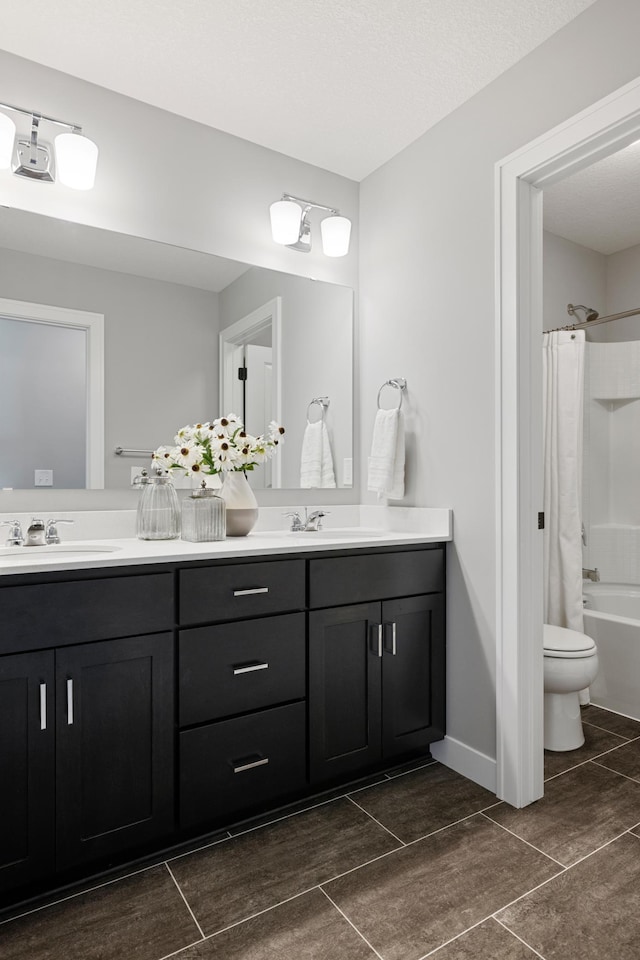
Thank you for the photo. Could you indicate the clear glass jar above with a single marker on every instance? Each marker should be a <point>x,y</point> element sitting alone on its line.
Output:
<point>158,516</point>
<point>203,516</point>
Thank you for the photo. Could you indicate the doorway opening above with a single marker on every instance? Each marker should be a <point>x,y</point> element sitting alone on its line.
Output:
<point>597,132</point>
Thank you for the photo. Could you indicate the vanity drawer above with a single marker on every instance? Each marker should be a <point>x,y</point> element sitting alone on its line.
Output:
<point>234,765</point>
<point>78,611</point>
<point>236,667</point>
<point>236,591</point>
<point>334,581</point>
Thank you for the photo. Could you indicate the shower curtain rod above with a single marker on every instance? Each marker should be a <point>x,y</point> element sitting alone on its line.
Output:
<point>594,323</point>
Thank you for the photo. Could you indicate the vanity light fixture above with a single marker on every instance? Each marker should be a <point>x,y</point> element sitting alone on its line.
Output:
<point>290,226</point>
<point>73,162</point>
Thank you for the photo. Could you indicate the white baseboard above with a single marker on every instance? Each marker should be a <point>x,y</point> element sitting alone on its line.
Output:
<point>465,760</point>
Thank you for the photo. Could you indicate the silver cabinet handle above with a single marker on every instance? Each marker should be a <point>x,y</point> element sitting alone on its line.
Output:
<point>69,702</point>
<point>393,649</point>
<point>245,593</point>
<point>377,639</point>
<point>43,706</point>
<point>240,767</point>
<point>249,668</point>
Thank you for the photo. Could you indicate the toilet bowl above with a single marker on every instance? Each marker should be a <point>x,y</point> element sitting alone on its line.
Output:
<point>570,665</point>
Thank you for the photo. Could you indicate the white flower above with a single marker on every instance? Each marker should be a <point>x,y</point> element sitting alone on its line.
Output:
<point>218,446</point>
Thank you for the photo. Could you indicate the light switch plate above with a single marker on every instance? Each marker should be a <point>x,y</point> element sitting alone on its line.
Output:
<point>347,472</point>
<point>43,478</point>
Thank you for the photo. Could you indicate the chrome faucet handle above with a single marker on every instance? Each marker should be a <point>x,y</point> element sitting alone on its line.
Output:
<point>15,538</point>
<point>296,521</point>
<point>51,533</point>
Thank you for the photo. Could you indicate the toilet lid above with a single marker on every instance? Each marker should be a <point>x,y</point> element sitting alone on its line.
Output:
<point>561,642</point>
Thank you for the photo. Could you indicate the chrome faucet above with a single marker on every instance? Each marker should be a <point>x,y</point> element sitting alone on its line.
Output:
<point>51,534</point>
<point>311,524</point>
<point>591,575</point>
<point>15,538</point>
<point>35,534</point>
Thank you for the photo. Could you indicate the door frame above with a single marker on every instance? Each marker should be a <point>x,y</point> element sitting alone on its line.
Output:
<point>598,131</point>
<point>269,314</point>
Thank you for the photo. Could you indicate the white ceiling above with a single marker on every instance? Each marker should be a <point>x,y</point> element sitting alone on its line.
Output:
<point>342,84</point>
<point>599,207</point>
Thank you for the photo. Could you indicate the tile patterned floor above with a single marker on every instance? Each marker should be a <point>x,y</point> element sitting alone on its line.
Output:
<point>423,864</point>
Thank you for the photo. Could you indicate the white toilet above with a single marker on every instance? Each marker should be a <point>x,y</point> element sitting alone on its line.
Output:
<point>570,665</point>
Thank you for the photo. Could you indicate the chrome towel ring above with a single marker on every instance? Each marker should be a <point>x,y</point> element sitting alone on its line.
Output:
<point>323,403</point>
<point>399,384</point>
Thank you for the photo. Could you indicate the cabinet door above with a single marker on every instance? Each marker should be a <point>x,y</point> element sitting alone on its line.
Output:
<point>412,673</point>
<point>114,746</point>
<point>344,690</point>
<point>26,768</point>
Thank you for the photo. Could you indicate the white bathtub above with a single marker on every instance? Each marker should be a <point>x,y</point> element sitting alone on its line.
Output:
<point>612,619</point>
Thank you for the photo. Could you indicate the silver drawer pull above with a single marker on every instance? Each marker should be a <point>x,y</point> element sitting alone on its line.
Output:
<point>250,668</point>
<point>69,702</point>
<point>43,706</point>
<point>378,632</point>
<point>394,630</point>
<point>246,593</point>
<point>240,767</point>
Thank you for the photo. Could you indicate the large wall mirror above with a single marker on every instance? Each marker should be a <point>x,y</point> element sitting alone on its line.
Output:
<point>187,337</point>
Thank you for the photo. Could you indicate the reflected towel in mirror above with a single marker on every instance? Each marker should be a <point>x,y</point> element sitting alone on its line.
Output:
<point>386,462</point>
<point>316,459</point>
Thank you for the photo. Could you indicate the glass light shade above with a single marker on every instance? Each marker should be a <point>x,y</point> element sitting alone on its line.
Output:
<point>336,232</point>
<point>286,216</point>
<point>7,139</point>
<point>76,161</point>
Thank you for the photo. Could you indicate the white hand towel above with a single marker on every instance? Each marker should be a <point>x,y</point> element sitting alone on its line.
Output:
<point>316,459</point>
<point>386,463</point>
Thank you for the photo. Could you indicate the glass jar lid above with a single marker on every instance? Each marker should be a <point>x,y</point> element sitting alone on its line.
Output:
<point>204,492</point>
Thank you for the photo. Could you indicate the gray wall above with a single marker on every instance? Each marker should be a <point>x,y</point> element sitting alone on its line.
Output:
<point>428,313</point>
<point>317,355</point>
<point>161,349</point>
<point>572,274</point>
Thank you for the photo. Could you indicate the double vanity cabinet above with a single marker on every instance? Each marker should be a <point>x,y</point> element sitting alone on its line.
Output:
<point>144,705</point>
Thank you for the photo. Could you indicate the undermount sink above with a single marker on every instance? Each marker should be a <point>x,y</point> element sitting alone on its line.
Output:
<point>63,550</point>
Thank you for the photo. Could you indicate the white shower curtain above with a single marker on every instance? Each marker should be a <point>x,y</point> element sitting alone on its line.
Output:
<point>563,393</point>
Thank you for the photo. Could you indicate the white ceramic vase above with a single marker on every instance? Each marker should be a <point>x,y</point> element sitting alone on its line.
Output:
<point>242,506</point>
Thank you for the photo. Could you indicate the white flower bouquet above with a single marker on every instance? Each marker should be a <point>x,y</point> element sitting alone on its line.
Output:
<point>219,446</point>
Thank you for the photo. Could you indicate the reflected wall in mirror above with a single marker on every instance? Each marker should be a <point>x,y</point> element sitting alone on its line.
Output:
<point>164,308</point>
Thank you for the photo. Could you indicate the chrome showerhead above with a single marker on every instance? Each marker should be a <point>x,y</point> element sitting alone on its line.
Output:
<point>589,314</point>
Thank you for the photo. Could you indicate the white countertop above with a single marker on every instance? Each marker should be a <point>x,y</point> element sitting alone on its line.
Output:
<point>429,526</point>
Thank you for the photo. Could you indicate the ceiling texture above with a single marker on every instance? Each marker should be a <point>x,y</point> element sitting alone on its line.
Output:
<point>599,207</point>
<point>341,84</point>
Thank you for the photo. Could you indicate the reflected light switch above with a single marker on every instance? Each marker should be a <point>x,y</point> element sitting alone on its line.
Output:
<point>43,478</point>
<point>347,471</point>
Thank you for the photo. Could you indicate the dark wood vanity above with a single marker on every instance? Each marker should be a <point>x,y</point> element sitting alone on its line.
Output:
<point>143,706</point>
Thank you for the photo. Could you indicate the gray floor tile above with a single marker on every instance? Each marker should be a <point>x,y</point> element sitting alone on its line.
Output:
<point>625,760</point>
<point>423,801</point>
<point>424,894</point>
<point>488,941</point>
<point>613,722</point>
<point>141,918</point>
<point>591,912</point>
<point>596,741</point>
<point>257,870</point>
<point>581,810</point>
<point>306,928</point>
<point>299,807</point>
